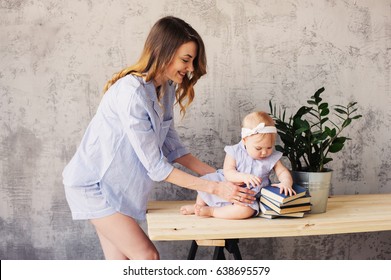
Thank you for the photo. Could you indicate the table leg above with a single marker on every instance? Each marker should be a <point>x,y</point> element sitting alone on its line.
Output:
<point>219,253</point>
<point>231,245</point>
<point>193,250</point>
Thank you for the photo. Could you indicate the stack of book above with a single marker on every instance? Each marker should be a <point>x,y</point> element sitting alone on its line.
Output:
<point>273,204</point>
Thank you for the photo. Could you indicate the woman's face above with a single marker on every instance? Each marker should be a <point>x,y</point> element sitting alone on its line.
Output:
<point>182,62</point>
<point>259,146</point>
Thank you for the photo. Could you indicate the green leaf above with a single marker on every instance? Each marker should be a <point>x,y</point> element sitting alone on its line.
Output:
<point>287,140</point>
<point>319,91</point>
<point>323,106</point>
<point>280,148</point>
<point>299,123</point>
<point>317,133</point>
<point>356,117</point>
<point>324,112</point>
<point>324,120</point>
<point>335,147</point>
<point>300,130</point>
<point>341,111</point>
<point>340,140</point>
<point>324,135</point>
<point>346,122</point>
<point>332,132</point>
<point>354,110</point>
<point>328,131</point>
<point>302,111</point>
<point>316,96</point>
<point>340,106</point>
<point>280,125</point>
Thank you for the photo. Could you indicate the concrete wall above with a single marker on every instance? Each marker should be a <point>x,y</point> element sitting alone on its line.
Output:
<point>55,57</point>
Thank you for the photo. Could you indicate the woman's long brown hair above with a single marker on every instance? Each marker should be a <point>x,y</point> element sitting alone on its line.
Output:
<point>165,37</point>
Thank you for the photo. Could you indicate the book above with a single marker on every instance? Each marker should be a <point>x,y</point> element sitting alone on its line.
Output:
<point>268,213</point>
<point>301,200</point>
<point>286,209</point>
<point>266,209</point>
<point>274,193</point>
<point>267,216</point>
<point>291,215</point>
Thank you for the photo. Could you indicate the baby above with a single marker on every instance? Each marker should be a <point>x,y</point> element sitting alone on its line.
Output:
<point>249,164</point>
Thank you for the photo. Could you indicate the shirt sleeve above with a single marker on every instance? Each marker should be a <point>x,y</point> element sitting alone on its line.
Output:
<point>230,150</point>
<point>274,157</point>
<point>173,147</point>
<point>136,120</point>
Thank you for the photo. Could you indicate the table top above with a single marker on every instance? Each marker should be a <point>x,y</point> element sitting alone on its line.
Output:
<point>345,214</point>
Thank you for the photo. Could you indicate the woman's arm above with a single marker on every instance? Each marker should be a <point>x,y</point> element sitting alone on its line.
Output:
<point>194,164</point>
<point>226,190</point>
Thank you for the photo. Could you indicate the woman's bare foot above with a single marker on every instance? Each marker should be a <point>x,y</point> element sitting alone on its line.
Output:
<point>203,210</point>
<point>187,209</point>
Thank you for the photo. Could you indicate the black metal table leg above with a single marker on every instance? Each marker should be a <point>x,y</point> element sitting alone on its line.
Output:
<point>219,253</point>
<point>193,250</point>
<point>232,246</point>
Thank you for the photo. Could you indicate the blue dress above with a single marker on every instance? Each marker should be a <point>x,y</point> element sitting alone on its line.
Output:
<point>130,143</point>
<point>245,164</point>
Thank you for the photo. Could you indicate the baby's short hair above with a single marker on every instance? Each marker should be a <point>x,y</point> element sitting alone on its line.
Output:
<point>251,120</point>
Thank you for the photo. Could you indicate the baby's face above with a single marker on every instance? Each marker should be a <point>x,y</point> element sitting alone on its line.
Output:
<point>259,146</point>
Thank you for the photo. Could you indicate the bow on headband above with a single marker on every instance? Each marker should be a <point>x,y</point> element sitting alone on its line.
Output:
<point>260,128</point>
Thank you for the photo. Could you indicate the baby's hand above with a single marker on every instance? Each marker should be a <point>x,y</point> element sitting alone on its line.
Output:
<point>251,180</point>
<point>287,190</point>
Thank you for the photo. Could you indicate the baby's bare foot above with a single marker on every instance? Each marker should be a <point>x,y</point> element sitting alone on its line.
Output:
<point>187,209</point>
<point>202,210</point>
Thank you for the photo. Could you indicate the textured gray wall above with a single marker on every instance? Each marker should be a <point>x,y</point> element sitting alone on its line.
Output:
<point>55,57</point>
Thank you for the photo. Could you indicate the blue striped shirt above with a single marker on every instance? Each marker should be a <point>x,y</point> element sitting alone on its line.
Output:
<point>130,143</point>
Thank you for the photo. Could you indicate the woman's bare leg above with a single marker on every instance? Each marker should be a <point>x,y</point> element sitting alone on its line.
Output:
<point>122,238</point>
<point>110,251</point>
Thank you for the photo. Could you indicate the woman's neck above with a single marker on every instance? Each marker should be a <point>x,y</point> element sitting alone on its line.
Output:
<point>158,81</point>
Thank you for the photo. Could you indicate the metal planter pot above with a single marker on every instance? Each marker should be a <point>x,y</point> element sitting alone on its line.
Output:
<point>318,185</point>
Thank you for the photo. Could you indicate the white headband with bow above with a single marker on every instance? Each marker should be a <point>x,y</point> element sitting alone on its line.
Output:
<point>260,128</point>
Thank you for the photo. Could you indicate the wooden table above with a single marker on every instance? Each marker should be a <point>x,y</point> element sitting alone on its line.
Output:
<point>345,214</point>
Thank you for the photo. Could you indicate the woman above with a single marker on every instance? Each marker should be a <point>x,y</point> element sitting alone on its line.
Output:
<point>131,142</point>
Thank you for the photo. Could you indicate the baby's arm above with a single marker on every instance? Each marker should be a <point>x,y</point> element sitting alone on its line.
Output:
<point>285,178</point>
<point>233,175</point>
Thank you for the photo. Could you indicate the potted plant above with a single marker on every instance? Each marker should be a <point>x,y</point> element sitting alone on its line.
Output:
<point>309,138</point>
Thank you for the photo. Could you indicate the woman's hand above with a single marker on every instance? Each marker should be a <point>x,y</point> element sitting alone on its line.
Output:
<point>234,193</point>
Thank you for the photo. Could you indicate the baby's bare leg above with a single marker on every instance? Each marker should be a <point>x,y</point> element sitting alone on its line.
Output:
<point>203,210</point>
<point>189,209</point>
<point>233,212</point>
